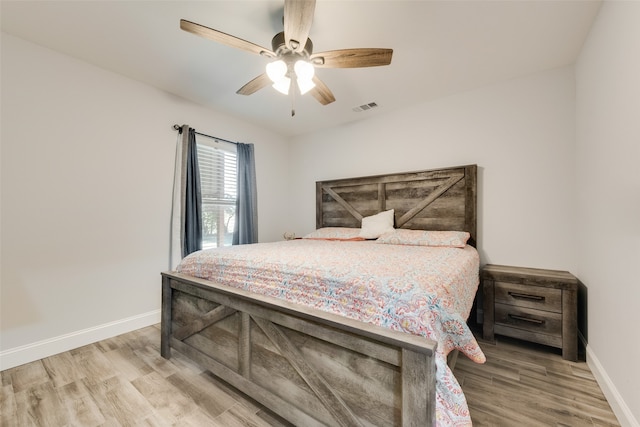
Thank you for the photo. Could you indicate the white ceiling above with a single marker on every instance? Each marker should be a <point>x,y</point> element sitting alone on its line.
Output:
<point>440,48</point>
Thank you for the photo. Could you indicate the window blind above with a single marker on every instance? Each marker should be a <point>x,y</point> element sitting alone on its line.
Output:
<point>218,183</point>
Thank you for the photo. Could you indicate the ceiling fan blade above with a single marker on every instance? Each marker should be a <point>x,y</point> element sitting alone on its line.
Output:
<point>255,85</point>
<point>224,38</point>
<point>321,92</point>
<point>298,17</point>
<point>352,58</point>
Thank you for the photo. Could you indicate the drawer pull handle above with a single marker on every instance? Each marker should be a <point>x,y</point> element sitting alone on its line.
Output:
<point>526,319</point>
<point>526,296</point>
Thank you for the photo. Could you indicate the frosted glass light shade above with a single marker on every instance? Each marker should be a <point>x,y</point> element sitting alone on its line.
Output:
<point>304,73</point>
<point>282,85</point>
<point>276,70</point>
<point>304,70</point>
<point>305,85</point>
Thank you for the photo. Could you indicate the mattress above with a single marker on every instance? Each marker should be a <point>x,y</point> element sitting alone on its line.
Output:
<point>422,290</point>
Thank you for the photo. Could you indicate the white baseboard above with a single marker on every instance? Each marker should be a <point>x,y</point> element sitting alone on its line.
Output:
<point>28,353</point>
<point>617,403</point>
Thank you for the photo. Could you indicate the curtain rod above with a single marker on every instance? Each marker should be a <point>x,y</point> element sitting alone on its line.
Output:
<point>179,129</point>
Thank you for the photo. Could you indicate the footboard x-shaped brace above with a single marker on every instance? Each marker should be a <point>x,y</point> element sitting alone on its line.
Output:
<point>336,406</point>
<point>287,349</point>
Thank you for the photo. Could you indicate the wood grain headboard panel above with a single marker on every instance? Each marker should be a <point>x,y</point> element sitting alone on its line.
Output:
<point>439,199</point>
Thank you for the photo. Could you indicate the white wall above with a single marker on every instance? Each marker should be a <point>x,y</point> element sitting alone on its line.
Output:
<point>521,133</point>
<point>87,170</point>
<point>608,184</point>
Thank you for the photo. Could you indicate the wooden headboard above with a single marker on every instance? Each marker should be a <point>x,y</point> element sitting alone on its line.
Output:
<point>439,199</point>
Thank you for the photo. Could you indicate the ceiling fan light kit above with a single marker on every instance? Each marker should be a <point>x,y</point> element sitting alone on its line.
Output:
<point>290,65</point>
<point>281,73</point>
<point>293,51</point>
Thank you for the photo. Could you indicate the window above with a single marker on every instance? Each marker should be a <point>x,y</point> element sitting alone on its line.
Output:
<point>218,183</point>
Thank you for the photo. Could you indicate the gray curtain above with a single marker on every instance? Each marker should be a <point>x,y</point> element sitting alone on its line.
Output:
<point>192,240</point>
<point>246,227</point>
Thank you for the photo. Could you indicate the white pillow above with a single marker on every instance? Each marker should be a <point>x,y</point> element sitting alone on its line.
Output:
<point>376,225</point>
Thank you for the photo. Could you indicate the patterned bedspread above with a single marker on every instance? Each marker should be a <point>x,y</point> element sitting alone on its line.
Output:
<point>426,291</point>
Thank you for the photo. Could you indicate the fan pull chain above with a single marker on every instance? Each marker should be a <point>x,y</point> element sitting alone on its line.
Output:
<point>293,101</point>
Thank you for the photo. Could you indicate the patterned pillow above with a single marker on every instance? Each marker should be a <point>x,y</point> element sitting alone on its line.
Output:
<point>453,239</point>
<point>335,233</point>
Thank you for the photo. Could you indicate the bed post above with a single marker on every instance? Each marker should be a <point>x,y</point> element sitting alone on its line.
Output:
<point>470,204</point>
<point>244,346</point>
<point>165,320</point>
<point>319,218</point>
<point>418,408</point>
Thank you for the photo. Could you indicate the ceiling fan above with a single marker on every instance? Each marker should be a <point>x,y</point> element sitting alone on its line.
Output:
<point>292,51</point>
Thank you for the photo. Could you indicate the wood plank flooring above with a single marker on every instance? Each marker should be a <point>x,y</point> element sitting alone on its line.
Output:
<point>525,384</point>
<point>123,381</point>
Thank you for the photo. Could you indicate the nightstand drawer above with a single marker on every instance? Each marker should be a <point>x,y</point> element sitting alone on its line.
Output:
<point>538,321</point>
<point>547,299</point>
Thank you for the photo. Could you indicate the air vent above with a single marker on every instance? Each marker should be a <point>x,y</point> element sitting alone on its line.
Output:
<point>365,107</point>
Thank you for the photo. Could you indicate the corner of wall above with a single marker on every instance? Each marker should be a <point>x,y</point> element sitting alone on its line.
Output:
<point>617,403</point>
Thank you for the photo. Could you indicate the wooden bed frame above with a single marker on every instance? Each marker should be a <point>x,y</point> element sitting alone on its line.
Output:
<point>312,367</point>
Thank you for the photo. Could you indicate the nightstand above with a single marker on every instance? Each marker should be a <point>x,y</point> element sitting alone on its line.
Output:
<point>531,304</point>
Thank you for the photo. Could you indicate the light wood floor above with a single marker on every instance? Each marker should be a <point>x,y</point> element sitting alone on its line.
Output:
<point>524,384</point>
<point>124,381</point>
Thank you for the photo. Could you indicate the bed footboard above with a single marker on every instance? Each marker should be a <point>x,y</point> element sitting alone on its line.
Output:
<point>308,366</point>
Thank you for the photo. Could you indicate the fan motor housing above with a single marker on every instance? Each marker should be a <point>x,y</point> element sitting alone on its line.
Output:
<point>279,46</point>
